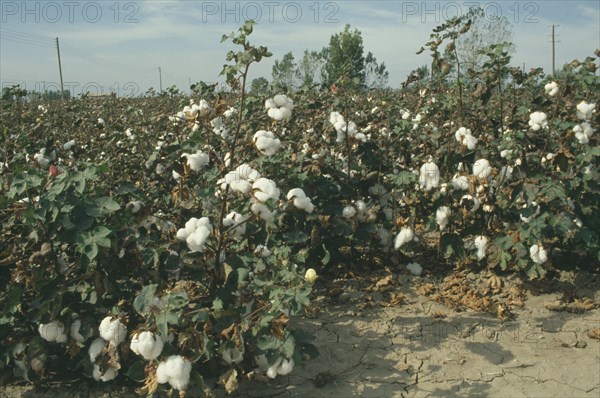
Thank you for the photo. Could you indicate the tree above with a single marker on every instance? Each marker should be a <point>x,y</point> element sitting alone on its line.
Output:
<point>259,86</point>
<point>284,73</point>
<point>309,70</point>
<point>345,62</point>
<point>485,31</point>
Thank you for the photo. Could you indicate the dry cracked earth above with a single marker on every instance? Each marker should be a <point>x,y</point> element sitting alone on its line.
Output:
<point>386,339</point>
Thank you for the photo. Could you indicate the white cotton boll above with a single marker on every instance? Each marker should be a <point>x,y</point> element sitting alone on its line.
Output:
<point>75,335</point>
<point>242,186</point>
<point>585,110</point>
<point>147,344</point>
<point>197,161</point>
<point>538,254</point>
<point>110,374</point>
<point>266,142</point>
<point>262,251</point>
<point>506,153</point>
<point>272,370</point>
<point>349,212</point>
<point>460,183</point>
<point>481,243</point>
<point>404,236</point>
<point>230,112</point>
<point>470,142</point>
<point>176,175</point>
<point>482,168</point>
<point>96,348</point>
<point>538,120</point>
<point>53,332</point>
<point>275,114</point>
<point>101,121</point>
<point>195,241</point>
<point>442,215</point>
<point>285,367</point>
<point>551,89</point>
<point>295,192</point>
<point>304,204</point>
<point>159,169</point>
<point>175,371</point>
<point>261,210</point>
<point>42,160</point>
<point>469,198</point>
<point>283,100</point>
<point>262,362</point>
<point>429,176</point>
<point>68,145</point>
<point>237,221</point>
<point>134,206</point>
<point>415,268</point>
<point>112,330</point>
<point>264,189</point>
<point>583,132</point>
<point>461,133</point>
<point>405,114</point>
<point>247,173</point>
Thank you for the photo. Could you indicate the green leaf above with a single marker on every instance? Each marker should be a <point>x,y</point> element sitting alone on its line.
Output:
<point>144,299</point>
<point>451,245</point>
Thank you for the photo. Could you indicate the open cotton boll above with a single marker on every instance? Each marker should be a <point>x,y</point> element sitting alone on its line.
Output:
<point>197,161</point>
<point>264,189</point>
<point>134,206</point>
<point>532,215</point>
<point>415,269</point>
<point>235,354</point>
<point>272,370</point>
<point>481,243</point>
<point>75,335</point>
<point>175,371</point>
<point>538,254</point>
<point>147,344</point>
<point>349,212</point>
<point>442,215</point>
<point>285,367</point>
<point>300,200</point>
<point>96,348</point>
<point>280,107</point>
<point>583,132</point>
<point>538,120</point>
<point>53,332</point>
<point>261,210</point>
<point>404,236</point>
<point>460,182</point>
<point>110,374</point>
<point>551,89</point>
<point>429,176</point>
<point>237,221</point>
<point>473,201</point>
<point>482,168</point>
<point>112,330</point>
<point>266,142</point>
<point>585,110</point>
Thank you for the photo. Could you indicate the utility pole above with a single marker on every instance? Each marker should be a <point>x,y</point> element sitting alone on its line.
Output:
<point>554,50</point>
<point>62,89</point>
<point>160,78</point>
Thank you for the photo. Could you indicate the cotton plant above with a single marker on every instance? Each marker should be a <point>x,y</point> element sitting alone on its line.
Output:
<point>538,254</point>
<point>538,120</point>
<point>466,138</point>
<point>197,161</point>
<point>112,330</point>
<point>264,189</point>
<point>551,89</point>
<point>583,132</point>
<point>460,182</point>
<point>470,200</point>
<point>53,332</point>
<point>236,223</point>
<point>240,180</point>
<point>266,142</point>
<point>585,110</point>
<point>442,217</point>
<point>300,200</point>
<point>404,236</point>
<point>279,108</point>
<point>482,168</point>
<point>175,370</point>
<point>220,129</point>
<point>234,355</point>
<point>429,175</point>
<point>480,244</point>
<point>345,130</point>
<point>97,347</point>
<point>195,233</point>
<point>43,159</point>
<point>532,214</point>
<point>147,344</point>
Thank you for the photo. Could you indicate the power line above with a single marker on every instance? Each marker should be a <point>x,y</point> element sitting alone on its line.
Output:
<point>25,34</point>
<point>25,41</point>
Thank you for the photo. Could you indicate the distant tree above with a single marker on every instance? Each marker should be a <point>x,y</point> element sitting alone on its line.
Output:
<point>51,95</point>
<point>309,70</point>
<point>485,31</point>
<point>284,74</point>
<point>345,62</point>
<point>259,86</point>
<point>13,93</point>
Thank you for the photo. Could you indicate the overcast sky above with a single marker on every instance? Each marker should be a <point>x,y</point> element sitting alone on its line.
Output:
<point>119,45</point>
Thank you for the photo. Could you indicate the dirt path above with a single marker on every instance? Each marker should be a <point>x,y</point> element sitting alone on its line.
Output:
<point>420,348</point>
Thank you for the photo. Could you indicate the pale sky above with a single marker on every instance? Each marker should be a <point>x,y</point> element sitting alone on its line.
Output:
<point>119,45</point>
